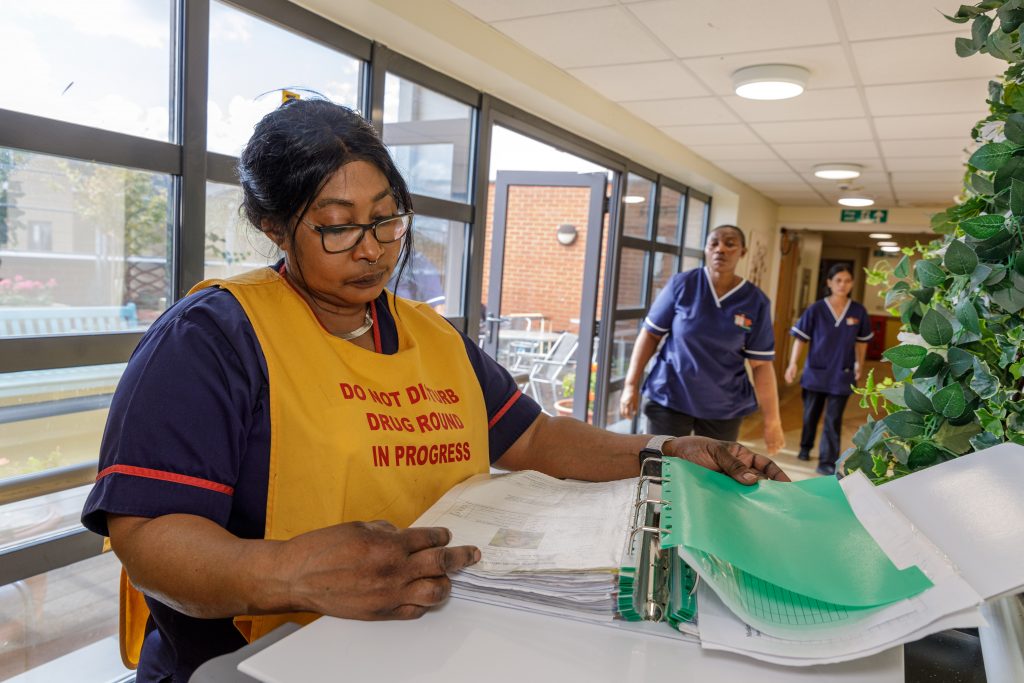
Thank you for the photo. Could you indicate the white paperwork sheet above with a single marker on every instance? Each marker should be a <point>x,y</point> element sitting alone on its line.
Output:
<point>545,544</point>
<point>962,522</point>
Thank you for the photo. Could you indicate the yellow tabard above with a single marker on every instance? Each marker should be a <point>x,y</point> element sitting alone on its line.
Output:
<point>356,435</point>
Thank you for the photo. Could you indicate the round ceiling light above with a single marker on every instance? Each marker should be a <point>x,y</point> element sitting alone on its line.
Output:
<point>633,199</point>
<point>770,81</point>
<point>855,199</point>
<point>880,236</point>
<point>837,171</point>
<point>891,250</point>
<point>888,244</point>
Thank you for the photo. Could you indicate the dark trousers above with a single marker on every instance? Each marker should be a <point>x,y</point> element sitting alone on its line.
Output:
<point>814,402</point>
<point>662,420</point>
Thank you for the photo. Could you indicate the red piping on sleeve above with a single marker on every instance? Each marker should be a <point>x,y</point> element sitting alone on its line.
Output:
<point>504,409</point>
<point>166,476</point>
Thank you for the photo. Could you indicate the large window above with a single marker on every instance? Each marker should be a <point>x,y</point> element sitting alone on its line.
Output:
<point>105,65</point>
<point>252,62</point>
<point>85,247</point>
<point>429,135</point>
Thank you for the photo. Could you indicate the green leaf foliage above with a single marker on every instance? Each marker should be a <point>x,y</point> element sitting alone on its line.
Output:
<point>935,329</point>
<point>964,47</point>
<point>995,248</point>
<point>905,423</point>
<point>983,227</point>
<point>1010,15</point>
<point>960,388</point>
<point>1010,299</point>
<point>1014,129</point>
<point>902,268</point>
<point>1016,196</point>
<point>960,362</point>
<point>929,274</point>
<point>956,439</point>
<point>984,383</point>
<point>949,401</point>
<point>926,454</point>
<point>906,355</point>
<point>980,30</point>
<point>993,156</point>
<point>930,366</point>
<point>960,259</point>
<point>916,400</point>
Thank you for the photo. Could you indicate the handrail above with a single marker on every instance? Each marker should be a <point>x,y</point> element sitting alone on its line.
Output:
<point>27,486</point>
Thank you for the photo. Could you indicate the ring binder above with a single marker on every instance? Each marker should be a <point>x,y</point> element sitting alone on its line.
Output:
<point>649,582</point>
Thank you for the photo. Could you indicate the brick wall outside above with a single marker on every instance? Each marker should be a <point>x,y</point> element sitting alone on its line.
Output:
<point>541,275</point>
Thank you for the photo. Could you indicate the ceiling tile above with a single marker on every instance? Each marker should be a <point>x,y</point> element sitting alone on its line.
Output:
<point>716,153</point>
<point>813,104</point>
<point>681,112</point>
<point>964,95</point>
<point>785,188</point>
<point>920,58</point>
<point>769,179</point>
<point>925,126</point>
<point>585,38</point>
<point>692,29</point>
<point>926,163</point>
<point>714,135</point>
<point>925,148</point>
<point>800,200</point>
<point>814,131</point>
<point>868,19</point>
<point>928,177</point>
<point>755,166</point>
<point>823,152</point>
<point>827,64</point>
<point>647,81</point>
<point>497,10</point>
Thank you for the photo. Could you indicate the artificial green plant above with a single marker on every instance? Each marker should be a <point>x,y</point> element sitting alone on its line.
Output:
<point>958,368</point>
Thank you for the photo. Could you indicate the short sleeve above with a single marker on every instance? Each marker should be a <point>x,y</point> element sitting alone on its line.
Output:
<point>659,319</point>
<point>180,417</point>
<point>510,412</point>
<point>760,344</point>
<point>804,328</point>
<point>864,332</point>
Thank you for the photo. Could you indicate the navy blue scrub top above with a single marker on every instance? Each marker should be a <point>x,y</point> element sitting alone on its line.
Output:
<point>829,366</point>
<point>700,368</point>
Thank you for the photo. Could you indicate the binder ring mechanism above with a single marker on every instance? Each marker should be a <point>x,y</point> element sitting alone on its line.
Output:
<point>651,588</point>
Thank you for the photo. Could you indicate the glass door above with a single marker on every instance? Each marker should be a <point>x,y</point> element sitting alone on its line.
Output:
<point>542,278</point>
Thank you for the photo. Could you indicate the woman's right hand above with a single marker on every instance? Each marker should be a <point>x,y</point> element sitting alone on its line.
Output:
<point>372,570</point>
<point>791,373</point>
<point>629,402</point>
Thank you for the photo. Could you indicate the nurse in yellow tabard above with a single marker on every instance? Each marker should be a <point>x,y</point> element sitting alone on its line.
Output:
<point>266,420</point>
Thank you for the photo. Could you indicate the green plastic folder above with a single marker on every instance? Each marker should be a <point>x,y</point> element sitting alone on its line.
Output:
<point>783,538</point>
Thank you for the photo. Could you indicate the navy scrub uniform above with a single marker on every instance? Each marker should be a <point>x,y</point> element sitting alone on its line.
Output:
<point>699,380</point>
<point>828,373</point>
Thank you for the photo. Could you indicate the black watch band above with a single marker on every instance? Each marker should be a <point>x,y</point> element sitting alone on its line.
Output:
<point>653,450</point>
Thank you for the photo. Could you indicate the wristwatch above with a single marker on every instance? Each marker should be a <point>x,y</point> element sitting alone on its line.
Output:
<point>653,449</point>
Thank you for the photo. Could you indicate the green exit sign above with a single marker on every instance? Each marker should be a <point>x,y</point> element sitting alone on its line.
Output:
<point>864,216</point>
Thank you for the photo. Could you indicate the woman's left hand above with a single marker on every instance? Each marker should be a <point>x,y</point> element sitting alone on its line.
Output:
<point>774,439</point>
<point>856,372</point>
<point>737,461</point>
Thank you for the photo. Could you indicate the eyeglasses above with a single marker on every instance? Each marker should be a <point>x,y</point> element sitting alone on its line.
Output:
<point>338,238</point>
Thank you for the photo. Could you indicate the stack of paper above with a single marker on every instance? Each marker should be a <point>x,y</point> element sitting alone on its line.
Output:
<point>546,545</point>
